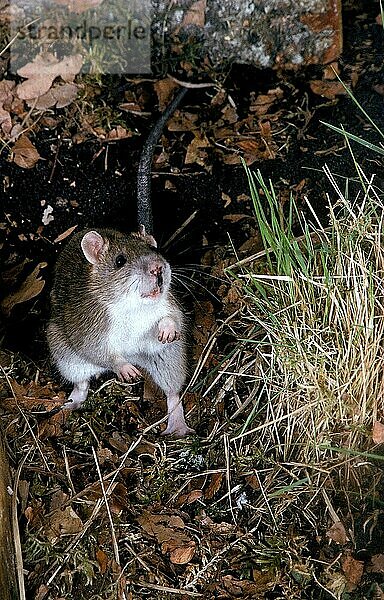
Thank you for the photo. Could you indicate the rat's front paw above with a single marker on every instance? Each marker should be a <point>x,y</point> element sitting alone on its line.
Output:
<point>127,372</point>
<point>168,331</point>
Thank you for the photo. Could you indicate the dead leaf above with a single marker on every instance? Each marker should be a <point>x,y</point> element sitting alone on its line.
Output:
<point>6,92</point>
<point>230,115</point>
<point>182,121</point>
<point>42,592</point>
<point>169,532</point>
<point>240,588</point>
<point>261,104</point>
<point>5,121</point>
<point>64,235</point>
<point>29,289</point>
<point>189,498</point>
<point>60,95</point>
<point>164,89</point>
<point>227,199</point>
<point>337,533</point>
<point>119,133</point>
<point>331,71</point>
<point>377,564</point>
<point>213,486</point>
<point>24,153</point>
<point>62,522</point>
<point>52,427</point>
<point>236,217</point>
<point>353,571</point>
<point>195,15</point>
<point>43,70</point>
<point>327,89</point>
<point>182,555</point>
<point>252,481</point>
<point>195,151</point>
<point>378,432</point>
<point>102,561</point>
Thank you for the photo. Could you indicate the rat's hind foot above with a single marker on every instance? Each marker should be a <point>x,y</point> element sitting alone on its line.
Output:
<point>127,372</point>
<point>177,426</point>
<point>180,430</point>
<point>77,396</point>
<point>168,331</point>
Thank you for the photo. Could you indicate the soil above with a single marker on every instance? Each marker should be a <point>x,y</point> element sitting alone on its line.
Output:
<point>92,184</point>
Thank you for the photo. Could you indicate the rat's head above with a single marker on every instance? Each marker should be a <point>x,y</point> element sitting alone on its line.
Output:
<point>125,266</point>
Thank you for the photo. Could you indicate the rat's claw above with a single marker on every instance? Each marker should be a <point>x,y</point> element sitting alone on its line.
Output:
<point>167,331</point>
<point>127,372</point>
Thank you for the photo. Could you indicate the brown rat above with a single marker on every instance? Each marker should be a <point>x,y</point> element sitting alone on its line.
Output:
<point>112,310</point>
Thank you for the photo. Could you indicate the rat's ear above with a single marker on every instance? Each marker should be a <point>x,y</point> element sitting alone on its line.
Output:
<point>149,239</point>
<point>94,246</point>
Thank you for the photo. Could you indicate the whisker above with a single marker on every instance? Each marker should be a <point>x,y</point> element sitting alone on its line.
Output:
<point>179,277</point>
<point>194,270</point>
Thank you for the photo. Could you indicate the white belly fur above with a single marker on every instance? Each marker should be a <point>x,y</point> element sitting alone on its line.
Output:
<point>134,328</point>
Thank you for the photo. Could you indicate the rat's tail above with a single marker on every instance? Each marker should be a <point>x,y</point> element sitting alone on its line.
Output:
<point>144,202</point>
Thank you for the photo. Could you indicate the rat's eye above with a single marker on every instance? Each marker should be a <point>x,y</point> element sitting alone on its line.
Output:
<point>120,261</point>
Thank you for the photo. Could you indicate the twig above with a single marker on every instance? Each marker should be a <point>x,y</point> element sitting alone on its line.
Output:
<point>169,590</point>
<point>187,84</point>
<point>180,229</point>
<point>113,534</point>
<point>16,532</point>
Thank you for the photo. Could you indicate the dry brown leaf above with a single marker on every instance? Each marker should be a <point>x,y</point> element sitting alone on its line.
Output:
<point>240,587</point>
<point>195,15</point>
<point>5,121</point>
<point>265,129</point>
<point>164,89</point>
<point>261,104</point>
<point>60,95</point>
<point>102,561</point>
<point>353,571</point>
<point>219,98</point>
<point>169,532</point>
<point>236,217</point>
<point>183,554</point>
<point>378,432</point>
<point>331,71</point>
<point>29,289</point>
<point>337,533</point>
<point>62,522</point>
<point>42,592</point>
<point>6,92</point>
<point>52,427</point>
<point>227,199</point>
<point>327,89</point>
<point>24,153</point>
<point>43,70</point>
<point>182,121</point>
<point>252,481</point>
<point>131,107</point>
<point>196,153</point>
<point>213,486</point>
<point>189,498</point>
<point>254,149</point>
<point>119,133</point>
<point>64,235</point>
<point>377,564</point>
<point>229,114</point>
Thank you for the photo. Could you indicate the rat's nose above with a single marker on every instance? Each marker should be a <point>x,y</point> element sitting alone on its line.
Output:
<point>158,273</point>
